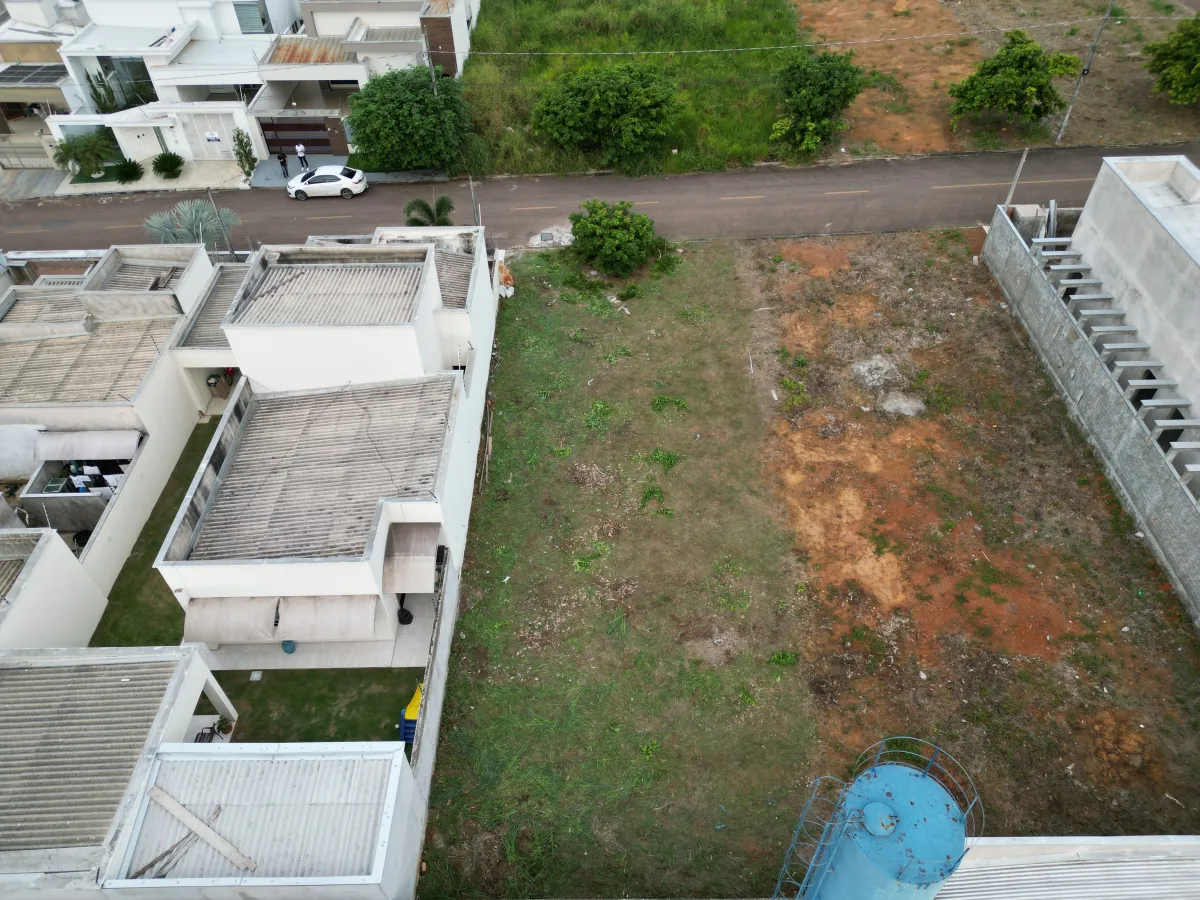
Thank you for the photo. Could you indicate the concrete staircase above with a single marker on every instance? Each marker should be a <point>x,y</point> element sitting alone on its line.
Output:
<point>1154,396</point>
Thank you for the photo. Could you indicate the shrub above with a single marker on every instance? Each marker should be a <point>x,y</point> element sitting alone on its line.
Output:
<point>167,165</point>
<point>399,123</point>
<point>129,170</point>
<point>88,152</point>
<point>1176,62</point>
<point>192,222</point>
<point>612,237</point>
<point>422,215</point>
<point>816,90</point>
<point>1017,81</point>
<point>243,152</point>
<point>621,112</point>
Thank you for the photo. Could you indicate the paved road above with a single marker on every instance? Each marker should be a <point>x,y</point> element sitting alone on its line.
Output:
<point>878,195</point>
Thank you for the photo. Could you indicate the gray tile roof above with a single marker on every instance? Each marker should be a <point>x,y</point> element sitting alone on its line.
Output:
<point>340,293</point>
<point>107,364</point>
<point>454,277</point>
<point>70,738</point>
<point>43,304</point>
<point>309,469</point>
<point>206,330</point>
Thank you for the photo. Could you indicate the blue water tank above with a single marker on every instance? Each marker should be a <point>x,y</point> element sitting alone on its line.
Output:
<point>905,834</point>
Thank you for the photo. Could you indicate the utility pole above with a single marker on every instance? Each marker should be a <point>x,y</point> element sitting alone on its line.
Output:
<point>474,208</point>
<point>1013,187</point>
<point>1087,67</point>
<point>428,58</point>
<point>221,225</point>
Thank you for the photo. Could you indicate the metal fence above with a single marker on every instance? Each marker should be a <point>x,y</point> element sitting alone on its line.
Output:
<point>24,151</point>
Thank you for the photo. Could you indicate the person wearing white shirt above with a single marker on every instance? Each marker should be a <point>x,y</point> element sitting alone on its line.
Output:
<point>301,157</point>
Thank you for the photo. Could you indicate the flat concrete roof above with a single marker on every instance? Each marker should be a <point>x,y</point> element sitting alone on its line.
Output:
<point>296,811</point>
<point>1169,186</point>
<point>125,40</point>
<point>308,469</point>
<point>74,728</point>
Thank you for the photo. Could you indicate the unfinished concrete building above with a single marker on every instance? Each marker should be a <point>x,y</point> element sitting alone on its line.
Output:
<point>1108,295</point>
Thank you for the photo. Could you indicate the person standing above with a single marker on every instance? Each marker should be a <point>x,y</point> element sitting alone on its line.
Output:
<point>303,159</point>
<point>282,157</point>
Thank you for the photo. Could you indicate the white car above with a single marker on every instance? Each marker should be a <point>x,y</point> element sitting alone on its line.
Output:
<point>328,181</point>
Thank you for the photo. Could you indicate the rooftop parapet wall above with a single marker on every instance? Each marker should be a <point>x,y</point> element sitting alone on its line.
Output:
<point>1148,485</point>
<point>1140,232</point>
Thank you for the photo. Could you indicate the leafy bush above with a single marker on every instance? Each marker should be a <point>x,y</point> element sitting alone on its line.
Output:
<point>422,215</point>
<point>816,91</point>
<point>192,222</point>
<point>1176,62</point>
<point>1017,81</point>
<point>622,112</point>
<point>631,291</point>
<point>399,123</point>
<point>88,152</point>
<point>612,237</point>
<point>129,170</point>
<point>167,164</point>
<point>243,152</point>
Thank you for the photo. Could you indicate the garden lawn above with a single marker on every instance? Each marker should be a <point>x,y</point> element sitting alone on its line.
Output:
<point>729,99</point>
<point>615,724</point>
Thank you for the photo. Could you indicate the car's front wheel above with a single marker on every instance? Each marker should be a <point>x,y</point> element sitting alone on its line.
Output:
<point>300,195</point>
<point>347,194</point>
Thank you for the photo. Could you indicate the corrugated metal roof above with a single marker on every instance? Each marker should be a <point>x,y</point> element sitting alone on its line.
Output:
<point>10,571</point>
<point>288,49</point>
<point>294,817</point>
<point>206,331</point>
<point>1134,878</point>
<point>107,364</point>
<point>333,294</point>
<point>454,277</point>
<point>70,738</point>
<point>309,469</point>
<point>140,277</point>
<point>47,281</point>
<point>386,33</point>
<point>38,304</point>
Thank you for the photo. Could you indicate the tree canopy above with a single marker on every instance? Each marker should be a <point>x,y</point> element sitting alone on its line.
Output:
<point>422,215</point>
<point>622,112</point>
<point>1016,81</point>
<point>816,91</point>
<point>399,123</point>
<point>193,222</point>
<point>1176,62</point>
<point>612,237</point>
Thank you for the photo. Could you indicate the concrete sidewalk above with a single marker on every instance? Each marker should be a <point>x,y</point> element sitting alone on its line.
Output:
<point>197,175</point>
<point>28,184</point>
<point>268,174</point>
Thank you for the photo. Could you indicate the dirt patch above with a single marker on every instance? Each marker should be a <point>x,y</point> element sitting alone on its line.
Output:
<point>921,47</point>
<point>953,559</point>
<point>589,476</point>
<point>718,648</point>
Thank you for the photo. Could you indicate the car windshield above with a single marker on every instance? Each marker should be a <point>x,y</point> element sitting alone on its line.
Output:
<point>349,173</point>
<point>307,177</point>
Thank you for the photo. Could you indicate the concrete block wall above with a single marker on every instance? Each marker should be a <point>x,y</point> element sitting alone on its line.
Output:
<point>1146,483</point>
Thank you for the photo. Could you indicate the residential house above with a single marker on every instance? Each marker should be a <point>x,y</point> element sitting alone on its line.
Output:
<point>46,598</point>
<point>34,83</point>
<point>326,527</point>
<point>1108,296</point>
<point>189,72</point>
<point>93,407</point>
<point>114,781</point>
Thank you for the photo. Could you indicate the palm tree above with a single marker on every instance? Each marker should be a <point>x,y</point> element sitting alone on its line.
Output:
<point>192,222</point>
<point>422,215</point>
<point>87,151</point>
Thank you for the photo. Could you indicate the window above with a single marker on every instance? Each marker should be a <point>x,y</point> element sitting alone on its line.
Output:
<point>349,173</point>
<point>323,179</point>
<point>252,18</point>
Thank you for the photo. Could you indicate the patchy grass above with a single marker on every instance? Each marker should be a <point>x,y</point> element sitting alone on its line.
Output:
<point>612,660</point>
<point>141,610</point>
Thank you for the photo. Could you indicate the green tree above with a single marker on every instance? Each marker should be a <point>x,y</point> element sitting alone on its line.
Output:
<point>399,123</point>
<point>1176,62</point>
<point>102,93</point>
<point>816,91</point>
<point>422,215</point>
<point>193,222</point>
<point>88,151</point>
<point>243,152</point>
<point>1016,81</point>
<point>621,112</point>
<point>612,237</point>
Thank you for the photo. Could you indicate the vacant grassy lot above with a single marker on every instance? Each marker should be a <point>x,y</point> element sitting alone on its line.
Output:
<point>691,587</point>
<point>914,43</point>
<point>729,98</point>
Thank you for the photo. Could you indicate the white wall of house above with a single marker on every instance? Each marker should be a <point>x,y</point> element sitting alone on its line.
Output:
<point>35,12</point>
<point>378,65</point>
<point>166,407</point>
<point>462,33</point>
<point>54,603</point>
<point>137,142</point>
<point>334,23</point>
<point>16,450</point>
<point>269,578</point>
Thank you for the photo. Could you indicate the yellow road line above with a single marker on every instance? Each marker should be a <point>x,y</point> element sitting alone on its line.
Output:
<point>832,193</point>
<point>645,203</point>
<point>28,231</point>
<point>946,187</point>
<point>525,208</point>
<point>310,218</point>
<point>122,226</point>
<point>752,197</point>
